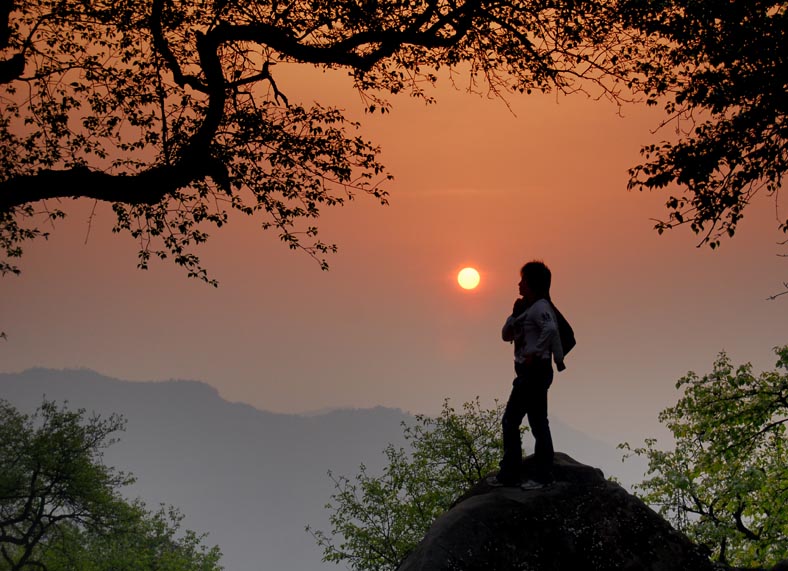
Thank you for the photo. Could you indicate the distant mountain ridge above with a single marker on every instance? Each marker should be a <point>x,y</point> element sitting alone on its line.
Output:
<point>251,478</point>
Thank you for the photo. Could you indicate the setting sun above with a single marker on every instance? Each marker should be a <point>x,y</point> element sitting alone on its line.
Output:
<point>468,278</point>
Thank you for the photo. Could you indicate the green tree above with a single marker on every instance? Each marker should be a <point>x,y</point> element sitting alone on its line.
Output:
<point>145,541</point>
<point>725,483</point>
<point>171,112</point>
<point>377,520</point>
<point>61,507</point>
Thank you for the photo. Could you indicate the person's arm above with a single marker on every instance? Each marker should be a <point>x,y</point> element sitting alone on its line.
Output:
<point>509,331</point>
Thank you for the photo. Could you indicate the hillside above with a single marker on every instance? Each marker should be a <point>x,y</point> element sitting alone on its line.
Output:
<point>252,479</point>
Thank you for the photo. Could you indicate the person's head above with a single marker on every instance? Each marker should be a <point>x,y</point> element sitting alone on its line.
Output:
<point>535,281</point>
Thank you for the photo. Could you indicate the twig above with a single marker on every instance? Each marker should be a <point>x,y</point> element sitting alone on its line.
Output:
<point>775,296</point>
<point>90,221</point>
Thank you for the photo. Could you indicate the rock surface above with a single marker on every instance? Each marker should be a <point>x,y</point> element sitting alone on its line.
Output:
<point>579,522</point>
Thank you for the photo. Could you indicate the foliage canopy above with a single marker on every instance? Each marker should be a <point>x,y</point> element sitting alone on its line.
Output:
<point>170,110</point>
<point>725,484</point>
<point>720,68</point>
<point>61,507</point>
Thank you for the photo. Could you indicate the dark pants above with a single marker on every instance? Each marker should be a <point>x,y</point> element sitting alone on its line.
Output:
<point>529,396</point>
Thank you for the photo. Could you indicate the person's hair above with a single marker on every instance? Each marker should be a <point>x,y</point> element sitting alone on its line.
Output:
<point>538,276</point>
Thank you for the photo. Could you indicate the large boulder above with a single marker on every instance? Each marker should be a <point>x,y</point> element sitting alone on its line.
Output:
<point>580,522</point>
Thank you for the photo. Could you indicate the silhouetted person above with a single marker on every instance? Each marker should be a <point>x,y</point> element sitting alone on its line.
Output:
<point>534,330</point>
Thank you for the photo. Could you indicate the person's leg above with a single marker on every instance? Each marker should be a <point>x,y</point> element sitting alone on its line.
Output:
<point>512,445</point>
<point>538,383</point>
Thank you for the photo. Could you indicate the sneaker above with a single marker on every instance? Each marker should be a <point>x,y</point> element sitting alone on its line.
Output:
<point>531,485</point>
<point>494,482</point>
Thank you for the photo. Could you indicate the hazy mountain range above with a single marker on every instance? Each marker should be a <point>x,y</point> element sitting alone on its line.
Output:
<point>252,479</point>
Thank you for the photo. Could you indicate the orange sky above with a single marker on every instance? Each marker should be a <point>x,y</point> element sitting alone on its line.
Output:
<point>475,185</point>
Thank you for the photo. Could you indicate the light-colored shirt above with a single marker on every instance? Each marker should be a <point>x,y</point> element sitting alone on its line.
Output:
<point>535,331</point>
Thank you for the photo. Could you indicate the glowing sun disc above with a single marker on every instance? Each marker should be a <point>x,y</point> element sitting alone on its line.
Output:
<point>468,278</point>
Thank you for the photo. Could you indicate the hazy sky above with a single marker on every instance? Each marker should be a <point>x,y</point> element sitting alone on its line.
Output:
<point>476,184</point>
